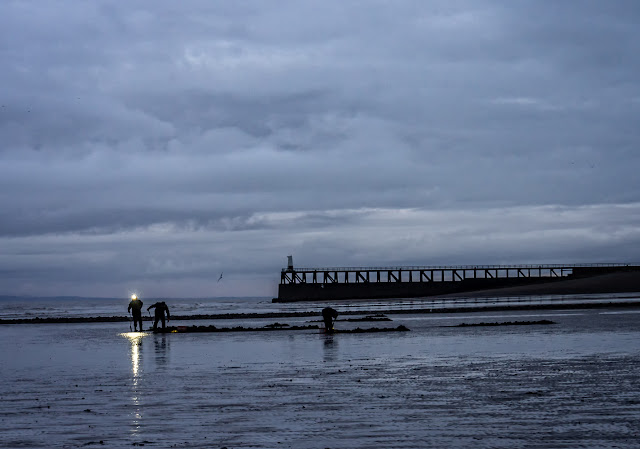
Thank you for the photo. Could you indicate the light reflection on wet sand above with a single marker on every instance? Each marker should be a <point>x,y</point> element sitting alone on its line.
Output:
<point>136,340</point>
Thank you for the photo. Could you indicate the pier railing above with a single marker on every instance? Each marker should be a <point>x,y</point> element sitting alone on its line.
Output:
<point>447,273</point>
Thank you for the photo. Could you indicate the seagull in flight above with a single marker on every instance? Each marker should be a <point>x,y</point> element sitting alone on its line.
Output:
<point>220,276</point>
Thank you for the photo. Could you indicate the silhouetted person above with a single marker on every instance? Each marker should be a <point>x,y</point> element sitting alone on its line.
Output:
<point>328,315</point>
<point>135,307</point>
<point>161,308</point>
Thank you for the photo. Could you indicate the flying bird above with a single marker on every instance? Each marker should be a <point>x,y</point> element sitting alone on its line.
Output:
<point>220,276</point>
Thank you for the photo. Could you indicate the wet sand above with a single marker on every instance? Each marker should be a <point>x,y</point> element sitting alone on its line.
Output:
<point>571,384</point>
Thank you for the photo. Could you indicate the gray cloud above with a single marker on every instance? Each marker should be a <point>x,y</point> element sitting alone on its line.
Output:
<point>155,144</point>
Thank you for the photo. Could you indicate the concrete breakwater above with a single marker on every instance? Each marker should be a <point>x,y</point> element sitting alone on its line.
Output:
<point>314,284</point>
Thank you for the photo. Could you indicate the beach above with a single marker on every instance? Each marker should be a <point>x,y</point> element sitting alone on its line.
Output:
<point>573,383</point>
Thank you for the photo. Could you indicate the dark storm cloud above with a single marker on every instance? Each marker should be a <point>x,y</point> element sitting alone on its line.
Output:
<point>156,143</point>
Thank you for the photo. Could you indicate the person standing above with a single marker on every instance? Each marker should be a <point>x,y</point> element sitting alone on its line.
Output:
<point>161,308</point>
<point>135,307</point>
<point>329,315</point>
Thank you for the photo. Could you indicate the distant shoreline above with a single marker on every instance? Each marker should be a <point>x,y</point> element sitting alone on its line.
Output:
<point>315,313</point>
<point>112,298</point>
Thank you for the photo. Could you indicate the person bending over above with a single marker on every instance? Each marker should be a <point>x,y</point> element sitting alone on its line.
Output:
<point>329,315</point>
<point>161,308</point>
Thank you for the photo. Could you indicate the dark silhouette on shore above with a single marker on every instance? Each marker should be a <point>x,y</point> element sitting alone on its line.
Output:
<point>329,315</point>
<point>271,328</point>
<point>135,307</point>
<point>459,281</point>
<point>161,308</point>
<point>504,323</point>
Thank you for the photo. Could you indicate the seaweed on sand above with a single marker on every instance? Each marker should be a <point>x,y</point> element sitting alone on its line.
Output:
<point>357,330</point>
<point>212,328</point>
<point>277,325</point>
<point>368,318</point>
<point>376,317</point>
<point>505,323</point>
<point>267,328</point>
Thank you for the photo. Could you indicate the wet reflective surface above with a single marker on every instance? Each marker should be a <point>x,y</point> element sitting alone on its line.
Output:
<point>571,384</point>
<point>90,307</point>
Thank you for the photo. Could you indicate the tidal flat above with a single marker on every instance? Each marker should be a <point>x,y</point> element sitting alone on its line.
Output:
<point>575,383</point>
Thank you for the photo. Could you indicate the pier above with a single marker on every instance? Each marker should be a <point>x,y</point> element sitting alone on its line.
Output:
<point>299,284</point>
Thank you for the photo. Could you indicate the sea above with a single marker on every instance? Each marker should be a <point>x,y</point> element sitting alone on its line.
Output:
<point>572,383</point>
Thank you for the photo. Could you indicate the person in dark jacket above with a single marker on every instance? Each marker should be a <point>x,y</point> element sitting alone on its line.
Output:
<point>329,315</point>
<point>161,308</point>
<point>135,307</point>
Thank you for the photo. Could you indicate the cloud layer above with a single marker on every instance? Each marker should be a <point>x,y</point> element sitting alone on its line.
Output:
<point>151,145</point>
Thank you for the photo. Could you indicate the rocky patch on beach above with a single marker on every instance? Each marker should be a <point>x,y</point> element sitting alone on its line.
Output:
<point>376,317</point>
<point>270,327</point>
<point>357,330</point>
<point>504,323</point>
<point>368,318</point>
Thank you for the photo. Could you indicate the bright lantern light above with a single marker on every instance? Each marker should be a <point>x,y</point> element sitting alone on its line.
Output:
<point>134,297</point>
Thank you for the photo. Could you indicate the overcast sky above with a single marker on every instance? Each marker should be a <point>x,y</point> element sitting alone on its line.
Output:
<point>149,146</point>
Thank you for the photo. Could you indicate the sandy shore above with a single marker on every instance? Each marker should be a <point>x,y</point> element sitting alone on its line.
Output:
<point>573,384</point>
